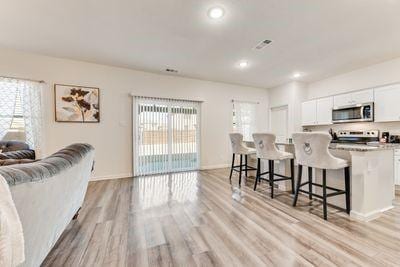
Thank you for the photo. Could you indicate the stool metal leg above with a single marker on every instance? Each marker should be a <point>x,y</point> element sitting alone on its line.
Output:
<point>240,170</point>
<point>258,174</point>
<point>324,193</point>
<point>310,182</point>
<point>299,173</point>
<point>233,164</point>
<point>347,188</point>
<point>245,163</point>
<point>271,177</point>
<point>292,174</point>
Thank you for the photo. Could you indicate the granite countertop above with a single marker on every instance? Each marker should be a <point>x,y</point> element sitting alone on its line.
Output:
<point>356,147</point>
<point>364,148</point>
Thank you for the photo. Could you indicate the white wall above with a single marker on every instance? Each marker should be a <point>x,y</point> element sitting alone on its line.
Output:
<point>290,94</point>
<point>375,75</point>
<point>112,138</point>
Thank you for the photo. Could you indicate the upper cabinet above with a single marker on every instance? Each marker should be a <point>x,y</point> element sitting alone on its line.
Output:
<point>387,107</point>
<point>309,113</point>
<point>324,110</point>
<point>358,97</point>
<point>363,96</point>
<point>317,112</point>
<point>342,100</point>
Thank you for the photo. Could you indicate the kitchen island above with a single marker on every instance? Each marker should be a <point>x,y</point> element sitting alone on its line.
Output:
<point>372,177</point>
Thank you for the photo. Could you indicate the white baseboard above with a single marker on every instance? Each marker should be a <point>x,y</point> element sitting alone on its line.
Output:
<point>110,177</point>
<point>370,215</point>
<point>126,175</point>
<point>219,166</point>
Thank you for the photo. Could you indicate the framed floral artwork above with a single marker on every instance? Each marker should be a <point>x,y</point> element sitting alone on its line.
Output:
<point>76,103</point>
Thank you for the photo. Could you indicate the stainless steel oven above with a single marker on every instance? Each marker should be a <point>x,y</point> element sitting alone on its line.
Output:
<point>353,113</point>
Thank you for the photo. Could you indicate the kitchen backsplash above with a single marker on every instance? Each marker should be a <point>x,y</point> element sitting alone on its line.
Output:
<point>392,127</point>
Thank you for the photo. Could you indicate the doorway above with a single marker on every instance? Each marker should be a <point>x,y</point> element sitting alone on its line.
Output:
<point>279,123</point>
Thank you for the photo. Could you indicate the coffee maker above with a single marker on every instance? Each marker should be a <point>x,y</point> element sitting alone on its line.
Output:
<point>385,137</point>
<point>394,139</point>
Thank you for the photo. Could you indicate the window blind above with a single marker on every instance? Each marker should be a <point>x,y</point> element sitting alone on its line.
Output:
<point>244,118</point>
<point>167,135</point>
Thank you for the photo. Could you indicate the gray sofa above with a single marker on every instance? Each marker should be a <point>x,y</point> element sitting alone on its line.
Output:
<point>47,194</point>
<point>15,150</point>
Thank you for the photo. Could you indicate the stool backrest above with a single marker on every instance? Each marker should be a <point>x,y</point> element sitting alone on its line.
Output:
<point>236,142</point>
<point>265,146</point>
<point>312,149</point>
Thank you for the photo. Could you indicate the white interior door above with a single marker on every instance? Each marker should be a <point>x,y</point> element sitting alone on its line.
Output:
<point>279,123</point>
<point>167,136</point>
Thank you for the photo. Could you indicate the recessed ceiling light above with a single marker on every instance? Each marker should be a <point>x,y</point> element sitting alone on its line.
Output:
<point>296,75</point>
<point>216,12</point>
<point>243,64</point>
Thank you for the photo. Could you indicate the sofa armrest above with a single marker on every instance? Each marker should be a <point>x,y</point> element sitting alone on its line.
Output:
<point>18,154</point>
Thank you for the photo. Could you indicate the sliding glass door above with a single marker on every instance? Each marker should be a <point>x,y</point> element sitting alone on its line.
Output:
<point>167,135</point>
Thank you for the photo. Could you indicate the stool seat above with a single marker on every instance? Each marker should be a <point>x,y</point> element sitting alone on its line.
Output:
<point>334,164</point>
<point>247,151</point>
<point>280,155</point>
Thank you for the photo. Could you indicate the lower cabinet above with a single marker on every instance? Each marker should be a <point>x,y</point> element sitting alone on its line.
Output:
<point>397,167</point>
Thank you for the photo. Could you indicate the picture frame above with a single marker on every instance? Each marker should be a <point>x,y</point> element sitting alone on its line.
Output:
<point>76,104</point>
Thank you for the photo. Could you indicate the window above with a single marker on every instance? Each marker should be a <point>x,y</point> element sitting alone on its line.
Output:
<point>20,111</point>
<point>244,118</point>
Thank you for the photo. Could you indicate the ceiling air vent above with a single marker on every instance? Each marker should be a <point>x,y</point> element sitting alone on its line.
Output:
<point>262,44</point>
<point>171,70</point>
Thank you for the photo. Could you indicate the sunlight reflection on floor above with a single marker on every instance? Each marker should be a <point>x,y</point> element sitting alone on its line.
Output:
<point>153,191</point>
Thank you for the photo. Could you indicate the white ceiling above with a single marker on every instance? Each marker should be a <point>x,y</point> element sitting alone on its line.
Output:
<point>318,38</point>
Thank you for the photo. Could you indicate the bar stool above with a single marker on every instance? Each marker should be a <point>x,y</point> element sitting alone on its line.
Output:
<point>239,148</point>
<point>266,149</point>
<point>312,150</point>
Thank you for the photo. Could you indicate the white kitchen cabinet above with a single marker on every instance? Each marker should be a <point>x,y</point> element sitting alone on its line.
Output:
<point>397,167</point>
<point>324,111</point>
<point>358,97</point>
<point>387,107</point>
<point>317,112</point>
<point>342,100</point>
<point>309,113</point>
<point>363,96</point>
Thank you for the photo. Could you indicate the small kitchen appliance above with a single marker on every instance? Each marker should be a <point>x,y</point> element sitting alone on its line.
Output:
<point>394,139</point>
<point>385,137</point>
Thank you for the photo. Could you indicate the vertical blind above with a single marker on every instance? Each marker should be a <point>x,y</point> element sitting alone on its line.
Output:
<point>244,118</point>
<point>167,135</point>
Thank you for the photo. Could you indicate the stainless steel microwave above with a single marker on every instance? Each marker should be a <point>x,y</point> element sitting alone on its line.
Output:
<point>353,113</point>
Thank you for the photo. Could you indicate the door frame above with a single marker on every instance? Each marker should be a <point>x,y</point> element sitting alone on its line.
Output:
<point>287,117</point>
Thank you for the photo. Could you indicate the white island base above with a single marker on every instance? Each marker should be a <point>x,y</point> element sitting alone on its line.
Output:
<point>372,183</point>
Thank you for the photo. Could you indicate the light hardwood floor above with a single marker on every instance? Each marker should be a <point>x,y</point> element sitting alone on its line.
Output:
<point>200,219</point>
